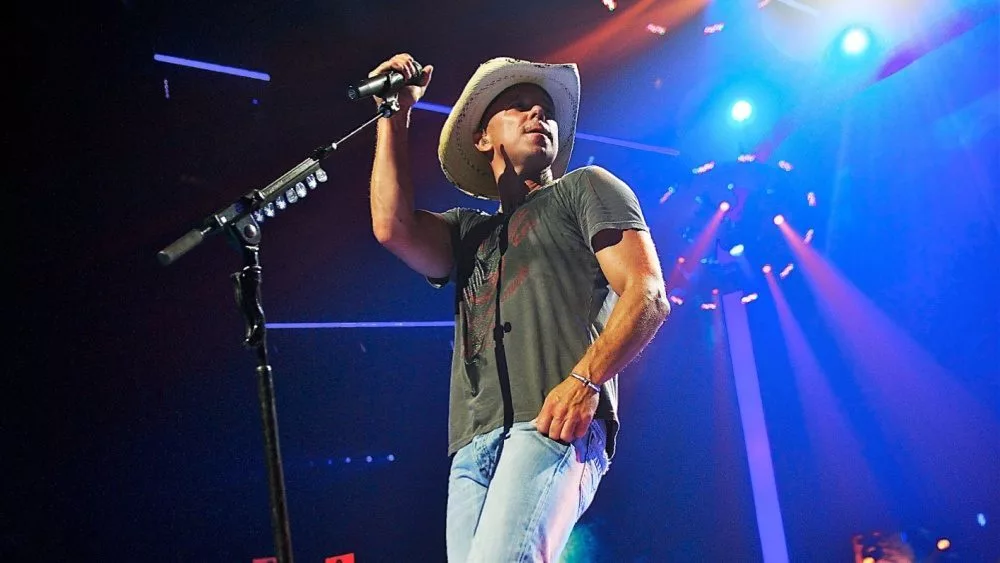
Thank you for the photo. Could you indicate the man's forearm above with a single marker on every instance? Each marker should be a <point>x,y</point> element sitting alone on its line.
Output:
<point>392,203</point>
<point>633,322</point>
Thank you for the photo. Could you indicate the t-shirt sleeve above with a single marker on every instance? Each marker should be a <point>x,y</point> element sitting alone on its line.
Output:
<point>458,220</point>
<point>603,201</point>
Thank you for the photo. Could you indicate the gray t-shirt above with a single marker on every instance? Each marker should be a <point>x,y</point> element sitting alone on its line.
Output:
<point>553,295</point>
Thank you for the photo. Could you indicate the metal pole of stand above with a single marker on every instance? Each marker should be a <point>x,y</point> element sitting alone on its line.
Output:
<point>247,285</point>
<point>275,473</point>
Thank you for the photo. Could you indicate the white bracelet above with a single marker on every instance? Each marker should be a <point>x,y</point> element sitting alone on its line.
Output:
<point>590,384</point>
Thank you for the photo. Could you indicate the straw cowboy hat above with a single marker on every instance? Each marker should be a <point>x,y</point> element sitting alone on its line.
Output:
<point>465,166</point>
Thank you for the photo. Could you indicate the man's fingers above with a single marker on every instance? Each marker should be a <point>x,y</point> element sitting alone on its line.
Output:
<point>568,433</point>
<point>403,63</point>
<point>543,422</point>
<point>557,429</point>
<point>427,76</point>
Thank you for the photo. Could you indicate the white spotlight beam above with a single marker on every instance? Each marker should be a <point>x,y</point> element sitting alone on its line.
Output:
<point>801,7</point>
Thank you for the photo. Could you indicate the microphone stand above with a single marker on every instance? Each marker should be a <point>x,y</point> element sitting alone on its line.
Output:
<point>241,220</point>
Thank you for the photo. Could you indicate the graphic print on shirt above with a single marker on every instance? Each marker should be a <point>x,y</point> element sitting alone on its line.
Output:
<point>479,294</point>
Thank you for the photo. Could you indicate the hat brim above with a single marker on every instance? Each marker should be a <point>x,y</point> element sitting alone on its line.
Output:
<point>463,165</point>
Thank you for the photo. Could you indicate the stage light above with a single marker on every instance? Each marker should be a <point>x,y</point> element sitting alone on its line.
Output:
<point>809,236</point>
<point>212,67</point>
<point>368,459</point>
<point>746,158</point>
<point>610,5</point>
<point>390,457</point>
<point>656,29</point>
<point>741,110</point>
<point>676,300</point>
<point>737,250</point>
<point>749,298</point>
<point>788,270</point>
<point>981,520</point>
<point>785,165</point>
<point>347,460</point>
<point>709,306</point>
<point>714,28</point>
<point>943,544</point>
<point>704,168</point>
<point>681,260</point>
<point>811,199</point>
<point>868,559</point>
<point>855,41</point>
<point>715,291</point>
<point>666,195</point>
<point>766,269</point>
<point>779,219</point>
<point>724,206</point>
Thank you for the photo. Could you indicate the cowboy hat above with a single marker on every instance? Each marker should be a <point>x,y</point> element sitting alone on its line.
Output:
<point>461,162</point>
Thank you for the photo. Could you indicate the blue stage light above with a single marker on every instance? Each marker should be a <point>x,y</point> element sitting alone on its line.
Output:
<point>741,110</point>
<point>737,250</point>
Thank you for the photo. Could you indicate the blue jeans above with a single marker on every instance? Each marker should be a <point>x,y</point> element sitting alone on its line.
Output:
<point>524,507</point>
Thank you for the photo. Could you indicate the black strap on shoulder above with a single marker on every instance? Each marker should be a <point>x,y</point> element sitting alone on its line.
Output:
<point>499,329</point>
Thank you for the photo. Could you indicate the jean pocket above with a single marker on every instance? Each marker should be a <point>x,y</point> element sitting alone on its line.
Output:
<point>557,447</point>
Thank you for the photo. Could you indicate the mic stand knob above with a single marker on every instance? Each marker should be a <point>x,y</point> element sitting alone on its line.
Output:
<point>389,106</point>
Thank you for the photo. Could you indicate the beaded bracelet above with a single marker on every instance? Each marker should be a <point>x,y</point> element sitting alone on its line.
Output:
<point>590,384</point>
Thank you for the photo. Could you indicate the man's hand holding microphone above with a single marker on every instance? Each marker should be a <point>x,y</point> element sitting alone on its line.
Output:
<point>400,75</point>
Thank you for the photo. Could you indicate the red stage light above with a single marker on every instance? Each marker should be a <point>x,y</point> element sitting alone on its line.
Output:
<point>681,260</point>
<point>724,206</point>
<point>779,219</point>
<point>766,269</point>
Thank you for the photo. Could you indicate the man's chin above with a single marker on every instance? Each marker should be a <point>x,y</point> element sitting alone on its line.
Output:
<point>540,160</point>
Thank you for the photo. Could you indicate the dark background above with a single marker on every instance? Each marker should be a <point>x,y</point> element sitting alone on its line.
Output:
<point>131,418</point>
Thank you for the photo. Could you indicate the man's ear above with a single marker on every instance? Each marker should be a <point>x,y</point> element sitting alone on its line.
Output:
<point>483,142</point>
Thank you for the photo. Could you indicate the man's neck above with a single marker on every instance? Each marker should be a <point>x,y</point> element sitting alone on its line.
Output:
<point>515,188</point>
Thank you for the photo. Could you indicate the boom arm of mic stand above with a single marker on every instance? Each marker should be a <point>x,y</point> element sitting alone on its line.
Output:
<point>257,199</point>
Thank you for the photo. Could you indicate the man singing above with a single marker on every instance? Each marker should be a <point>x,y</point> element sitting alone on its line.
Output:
<point>555,294</point>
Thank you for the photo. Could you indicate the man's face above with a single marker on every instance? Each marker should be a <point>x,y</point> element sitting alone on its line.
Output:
<point>522,120</point>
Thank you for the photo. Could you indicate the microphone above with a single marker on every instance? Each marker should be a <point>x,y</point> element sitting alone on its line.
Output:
<point>383,85</point>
